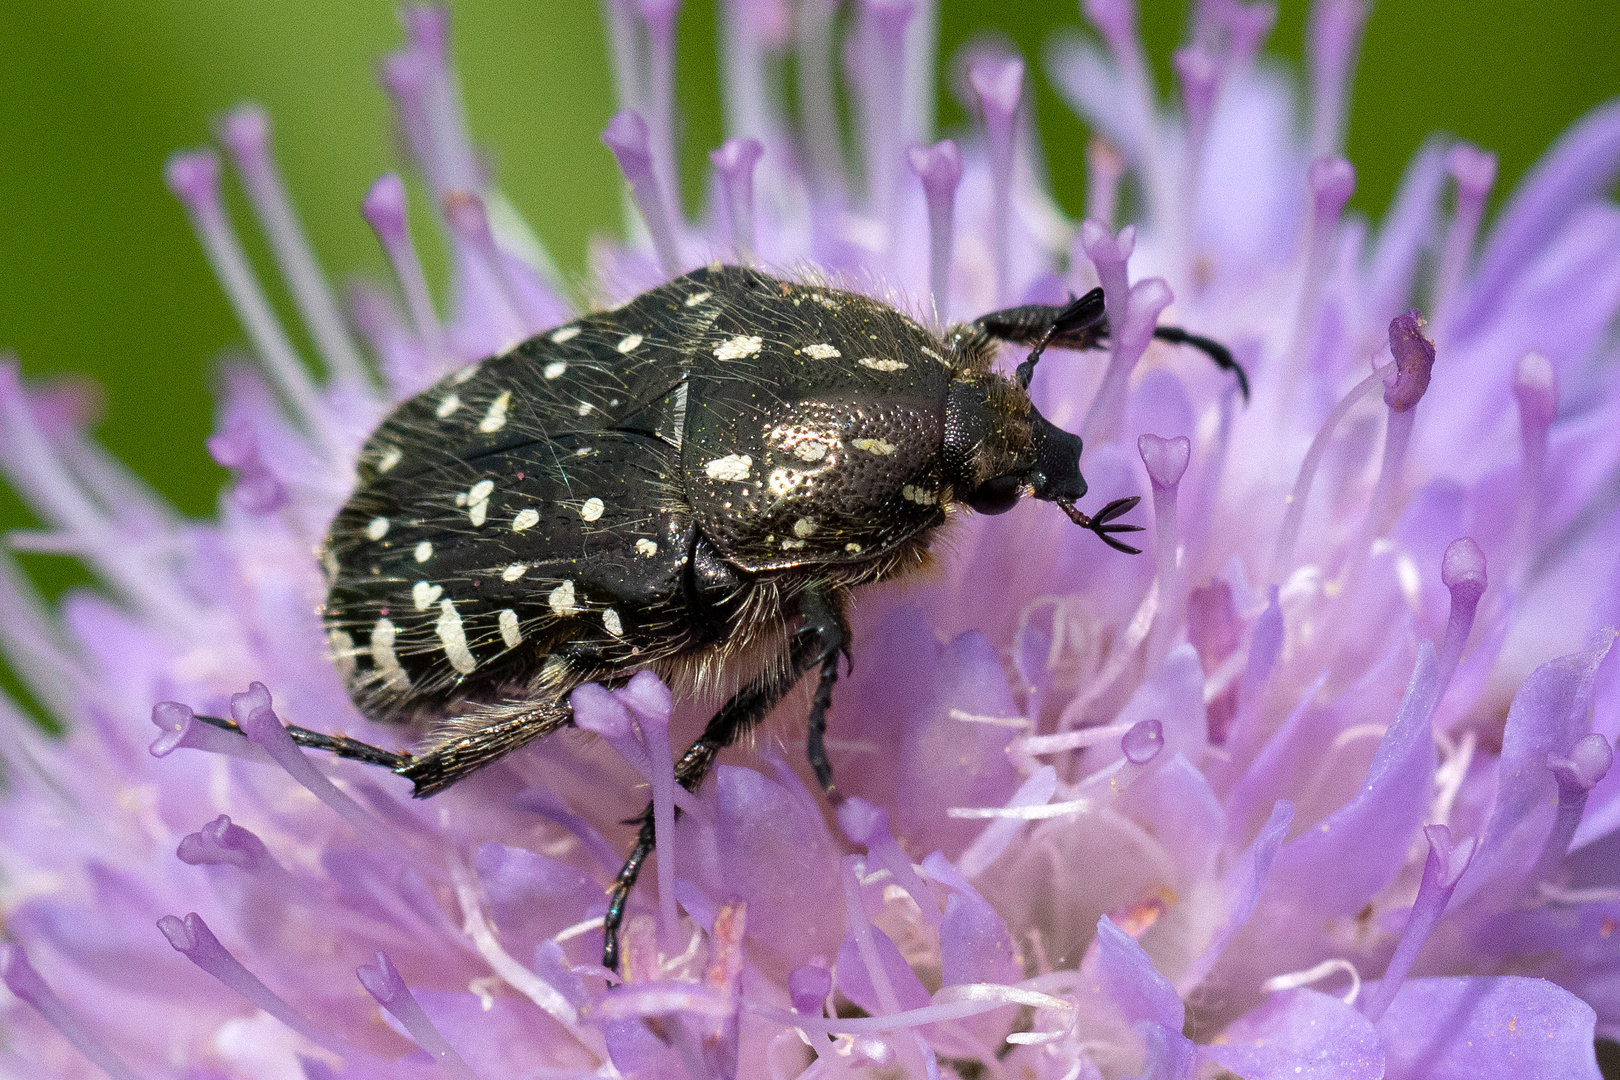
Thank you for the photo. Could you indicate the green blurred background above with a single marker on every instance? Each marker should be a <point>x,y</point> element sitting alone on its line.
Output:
<point>99,273</point>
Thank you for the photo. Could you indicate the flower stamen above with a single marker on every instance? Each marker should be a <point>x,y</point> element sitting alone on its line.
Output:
<point>1441,872</point>
<point>192,939</point>
<point>245,132</point>
<point>626,135</point>
<point>194,179</point>
<point>939,167</point>
<point>383,982</point>
<point>734,164</point>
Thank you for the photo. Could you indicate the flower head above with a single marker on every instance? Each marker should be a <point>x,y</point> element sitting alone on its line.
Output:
<point>1320,785</point>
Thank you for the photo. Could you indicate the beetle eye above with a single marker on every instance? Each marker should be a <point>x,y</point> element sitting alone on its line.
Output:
<point>997,495</point>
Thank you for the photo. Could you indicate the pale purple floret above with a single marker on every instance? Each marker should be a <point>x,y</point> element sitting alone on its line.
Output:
<point>1304,791</point>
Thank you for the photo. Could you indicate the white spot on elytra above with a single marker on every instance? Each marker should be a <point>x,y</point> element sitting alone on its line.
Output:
<point>647,548</point>
<point>592,509</point>
<point>792,545</point>
<point>738,347</point>
<point>562,334</point>
<point>340,650</point>
<point>376,528</point>
<point>527,518</point>
<point>810,451</point>
<point>390,457</point>
<point>730,467</point>
<point>584,408</point>
<point>926,351</point>
<point>515,571</point>
<point>478,501</point>
<point>919,495</point>
<point>561,600</point>
<point>447,405</point>
<point>508,622</point>
<point>881,365</point>
<point>425,594</point>
<point>628,343</point>
<point>873,446</point>
<point>424,551</point>
<point>853,548</point>
<point>495,418</point>
<point>821,352</point>
<point>454,638</point>
<point>697,298</point>
<point>610,620</point>
<point>555,369</point>
<point>383,658</point>
<point>464,374</point>
<point>803,527</point>
<point>584,451</point>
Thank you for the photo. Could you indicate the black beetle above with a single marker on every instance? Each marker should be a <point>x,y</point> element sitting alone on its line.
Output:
<point>700,475</point>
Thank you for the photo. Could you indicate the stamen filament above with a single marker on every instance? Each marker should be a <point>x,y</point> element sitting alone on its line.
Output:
<point>383,982</point>
<point>192,939</point>
<point>194,178</point>
<point>1282,559</point>
<point>939,167</point>
<point>734,163</point>
<point>626,135</point>
<point>999,84</point>
<point>246,134</point>
<point>1441,872</point>
<point>22,980</point>
<point>384,208</point>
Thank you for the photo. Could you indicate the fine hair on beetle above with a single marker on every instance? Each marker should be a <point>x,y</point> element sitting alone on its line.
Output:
<point>695,483</point>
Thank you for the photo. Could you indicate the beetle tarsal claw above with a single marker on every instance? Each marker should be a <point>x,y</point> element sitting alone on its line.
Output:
<point>1104,522</point>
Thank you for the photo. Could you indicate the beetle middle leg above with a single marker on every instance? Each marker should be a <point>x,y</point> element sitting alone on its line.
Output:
<point>815,645</point>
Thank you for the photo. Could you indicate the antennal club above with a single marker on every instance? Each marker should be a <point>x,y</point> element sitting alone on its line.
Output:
<point>1104,522</point>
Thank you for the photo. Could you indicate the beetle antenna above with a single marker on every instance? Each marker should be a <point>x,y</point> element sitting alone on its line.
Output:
<point>1065,320</point>
<point>1103,522</point>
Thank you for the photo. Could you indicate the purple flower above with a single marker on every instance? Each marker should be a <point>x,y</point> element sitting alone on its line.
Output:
<point>1318,786</point>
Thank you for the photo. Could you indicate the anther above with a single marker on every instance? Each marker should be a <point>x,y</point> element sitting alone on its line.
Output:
<point>1166,461</point>
<point>882,39</point>
<point>1199,74</point>
<point>659,16</point>
<point>1144,302</point>
<point>1576,774</point>
<point>1535,389</point>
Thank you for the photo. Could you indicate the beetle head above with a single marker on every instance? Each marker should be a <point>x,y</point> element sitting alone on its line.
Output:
<point>998,448</point>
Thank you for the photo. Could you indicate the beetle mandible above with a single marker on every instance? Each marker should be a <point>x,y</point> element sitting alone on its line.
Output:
<point>700,475</point>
